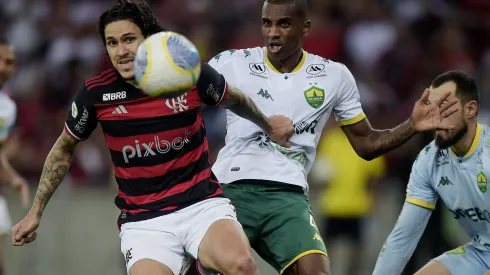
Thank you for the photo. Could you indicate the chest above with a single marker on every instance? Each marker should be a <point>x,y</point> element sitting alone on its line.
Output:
<point>463,183</point>
<point>298,95</point>
<point>138,107</point>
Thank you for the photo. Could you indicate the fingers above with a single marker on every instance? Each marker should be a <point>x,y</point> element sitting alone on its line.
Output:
<point>449,111</point>
<point>451,103</point>
<point>442,98</point>
<point>425,97</point>
<point>288,144</point>
<point>443,126</point>
<point>31,238</point>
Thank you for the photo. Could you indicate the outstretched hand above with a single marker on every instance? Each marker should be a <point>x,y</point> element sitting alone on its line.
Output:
<point>428,115</point>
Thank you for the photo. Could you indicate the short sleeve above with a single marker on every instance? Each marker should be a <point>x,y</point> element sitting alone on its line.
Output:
<point>223,63</point>
<point>82,117</point>
<point>8,118</point>
<point>348,109</point>
<point>212,86</point>
<point>419,190</point>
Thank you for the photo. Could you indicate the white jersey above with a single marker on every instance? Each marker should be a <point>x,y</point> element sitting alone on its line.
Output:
<point>461,182</point>
<point>307,95</point>
<point>8,115</point>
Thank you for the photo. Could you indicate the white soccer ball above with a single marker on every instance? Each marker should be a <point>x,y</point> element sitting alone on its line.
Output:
<point>167,64</point>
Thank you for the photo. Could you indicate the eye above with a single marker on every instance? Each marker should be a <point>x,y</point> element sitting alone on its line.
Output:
<point>285,24</point>
<point>130,39</point>
<point>111,43</point>
<point>266,23</point>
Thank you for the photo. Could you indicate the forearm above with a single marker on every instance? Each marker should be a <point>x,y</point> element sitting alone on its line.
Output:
<point>54,171</point>
<point>243,106</point>
<point>383,141</point>
<point>402,241</point>
<point>7,172</point>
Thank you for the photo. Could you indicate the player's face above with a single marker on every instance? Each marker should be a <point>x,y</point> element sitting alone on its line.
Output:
<point>122,41</point>
<point>446,138</point>
<point>283,29</point>
<point>7,63</point>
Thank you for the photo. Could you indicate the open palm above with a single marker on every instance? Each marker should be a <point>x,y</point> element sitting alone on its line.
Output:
<point>428,115</point>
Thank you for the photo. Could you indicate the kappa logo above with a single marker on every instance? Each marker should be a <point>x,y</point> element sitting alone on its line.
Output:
<point>128,255</point>
<point>258,68</point>
<point>315,69</point>
<point>114,96</point>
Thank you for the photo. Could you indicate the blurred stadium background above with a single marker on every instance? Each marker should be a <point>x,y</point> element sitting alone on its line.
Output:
<point>394,49</point>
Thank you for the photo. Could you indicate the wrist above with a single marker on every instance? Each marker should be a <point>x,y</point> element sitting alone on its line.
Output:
<point>36,211</point>
<point>267,126</point>
<point>411,126</point>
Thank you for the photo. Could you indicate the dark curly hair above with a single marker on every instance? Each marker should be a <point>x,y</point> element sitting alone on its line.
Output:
<point>138,12</point>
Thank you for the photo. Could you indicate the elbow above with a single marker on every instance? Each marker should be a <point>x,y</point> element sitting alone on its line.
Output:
<point>366,153</point>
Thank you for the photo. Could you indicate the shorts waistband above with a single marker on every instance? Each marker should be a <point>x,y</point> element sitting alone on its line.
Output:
<point>270,185</point>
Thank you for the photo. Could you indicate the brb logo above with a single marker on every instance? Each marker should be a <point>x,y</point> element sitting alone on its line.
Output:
<point>154,147</point>
<point>114,96</point>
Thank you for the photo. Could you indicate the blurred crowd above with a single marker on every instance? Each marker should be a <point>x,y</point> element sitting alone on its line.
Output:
<point>394,48</point>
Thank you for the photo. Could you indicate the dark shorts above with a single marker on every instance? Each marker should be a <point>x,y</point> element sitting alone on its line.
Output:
<point>277,220</point>
<point>349,228</point>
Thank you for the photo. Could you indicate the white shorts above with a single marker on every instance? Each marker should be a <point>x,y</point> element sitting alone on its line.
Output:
<point>5,222</point>
<point>466,260</point>
<point>170,239</point>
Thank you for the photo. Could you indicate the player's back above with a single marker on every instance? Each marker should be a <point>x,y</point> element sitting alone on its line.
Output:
<point>158,146</point>
<point>462,184</point>
<point>307,96</point>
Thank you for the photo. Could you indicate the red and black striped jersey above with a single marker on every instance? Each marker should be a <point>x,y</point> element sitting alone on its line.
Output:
<point>158,145</point>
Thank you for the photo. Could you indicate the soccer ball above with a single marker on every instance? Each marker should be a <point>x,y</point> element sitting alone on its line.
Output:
<point>166,65</point>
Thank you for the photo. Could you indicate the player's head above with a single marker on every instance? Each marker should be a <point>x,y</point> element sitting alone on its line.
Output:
<point>123,28</point>
<point>7,61</point>
<point>463,87</point>
<point>284,25</point>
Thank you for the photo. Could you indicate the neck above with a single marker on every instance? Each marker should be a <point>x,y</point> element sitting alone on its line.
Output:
<point>462,147</point>
<point>288,64</point>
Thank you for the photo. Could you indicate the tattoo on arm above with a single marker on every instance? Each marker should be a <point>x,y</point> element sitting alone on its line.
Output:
<point>371,143</point>
<point>55,169</point>
<point>242,105</point>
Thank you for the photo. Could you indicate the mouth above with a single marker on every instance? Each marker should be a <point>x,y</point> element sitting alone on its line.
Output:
<point>126,64</point>
<point>275,47</point>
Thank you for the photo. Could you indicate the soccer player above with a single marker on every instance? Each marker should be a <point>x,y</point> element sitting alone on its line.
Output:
<point>171,203</point>
<point>8,114</point>
<point>453,167</point>
<point>267,182</point>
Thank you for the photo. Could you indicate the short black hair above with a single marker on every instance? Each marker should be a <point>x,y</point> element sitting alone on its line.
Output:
<point>302,5</point>
<point>138,12</point>
<point>466,88</point>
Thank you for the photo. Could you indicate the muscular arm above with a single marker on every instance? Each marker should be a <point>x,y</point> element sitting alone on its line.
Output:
<point>371,143</point>
<point>243,106</point>
<point>403,240</point>
<point>54,171</point>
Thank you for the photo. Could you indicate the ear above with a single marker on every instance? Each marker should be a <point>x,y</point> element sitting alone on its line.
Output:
<point>306,28</point>
<point>471,109</point>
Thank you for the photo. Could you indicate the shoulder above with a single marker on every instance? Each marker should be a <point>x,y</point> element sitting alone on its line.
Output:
<point>429,156</point>
<point>234,55</point>
<point>103,79</point>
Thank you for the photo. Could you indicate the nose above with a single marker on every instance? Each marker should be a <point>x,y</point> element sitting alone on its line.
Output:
<point>274,32</point>
<point>121,50</point>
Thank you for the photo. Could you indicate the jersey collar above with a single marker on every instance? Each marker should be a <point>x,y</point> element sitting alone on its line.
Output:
<point>298,67</point>
<point>474,143</point>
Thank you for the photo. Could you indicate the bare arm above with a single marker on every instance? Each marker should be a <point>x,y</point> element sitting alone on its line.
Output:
<point>54,171</point>
<point>371,143</point>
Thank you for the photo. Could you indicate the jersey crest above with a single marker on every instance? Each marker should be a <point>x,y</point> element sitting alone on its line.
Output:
<point>314,95</point>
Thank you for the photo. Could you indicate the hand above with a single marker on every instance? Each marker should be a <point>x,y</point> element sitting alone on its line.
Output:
<point>22,230</point>
<point>281,129</point>
<point>428,115</point>
<point>22,188</point>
